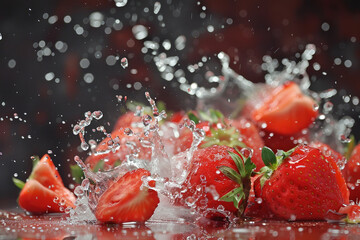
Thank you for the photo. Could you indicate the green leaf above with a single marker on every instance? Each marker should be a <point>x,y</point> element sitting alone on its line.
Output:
<point>235,196</point>
<point>239,163</point>
<point>77,173</point>
<point>230,173</point>
<point>99,166</point>
<point>205,117</point>
<point>193,117</point>
<point>268,157</point>
<point>249,166</point>
<point>36,160</point>
<point>350,147</point>
<point>161,105</point>
<point>20,184</point>
<point>266,173</point>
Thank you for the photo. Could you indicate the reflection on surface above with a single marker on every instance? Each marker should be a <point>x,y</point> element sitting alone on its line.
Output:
<point>55,226</point>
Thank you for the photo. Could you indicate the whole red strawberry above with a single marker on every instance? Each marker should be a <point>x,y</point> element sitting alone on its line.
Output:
<point>302,184</point>
<point>219,179</point>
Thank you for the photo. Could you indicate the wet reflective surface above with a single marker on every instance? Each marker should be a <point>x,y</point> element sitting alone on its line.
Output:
<point>20,226</point>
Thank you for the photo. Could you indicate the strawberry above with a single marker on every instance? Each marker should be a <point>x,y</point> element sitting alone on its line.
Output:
<point>127,200</point>
<point>44,191</point>
<point>219,178</point>
<point>219,130</point>
<point>112,157</point>
<point>352,173</point>
<point>283,109</point>
<point>352,212</point>
<point>302,184</point>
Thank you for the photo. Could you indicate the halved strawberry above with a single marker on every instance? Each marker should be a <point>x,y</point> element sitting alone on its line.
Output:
<point>43,187</point>
<point>127,200</point>
<point>284,110</point>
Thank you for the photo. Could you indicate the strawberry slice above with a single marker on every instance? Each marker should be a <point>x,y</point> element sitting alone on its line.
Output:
<point>285,110</point>
<point>127,200</point>
<point>43,187</point>
<point>352,213</point>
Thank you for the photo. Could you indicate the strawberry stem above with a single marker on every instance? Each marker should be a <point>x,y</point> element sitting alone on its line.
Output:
<point>239,195</point>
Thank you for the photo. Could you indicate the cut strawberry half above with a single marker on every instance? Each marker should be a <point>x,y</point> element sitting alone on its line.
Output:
<point>286,110</point>
<point>127,200</point>
<point>44,191</point>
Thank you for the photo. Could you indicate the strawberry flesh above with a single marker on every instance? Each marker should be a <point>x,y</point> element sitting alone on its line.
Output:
<point>127,200</point>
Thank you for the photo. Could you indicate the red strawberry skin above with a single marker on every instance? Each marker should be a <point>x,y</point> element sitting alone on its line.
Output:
<point>127,201</point>
<point>256,207</point>
<point>305,186</point>
<point>204,175</point>
<point>352,174</point>
<point>36,198</point>
<point>42,187</point>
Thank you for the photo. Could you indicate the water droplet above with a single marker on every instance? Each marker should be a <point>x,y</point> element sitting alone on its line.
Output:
<point>84,146</point>
<point>120,3</point>
<point>344,139</point>
<point>88,77</point>
<point>140,32</point>
<point>328,106</point>
<point>124,62</point>
<point>96,19</point>
<point>128,132</point>
<point>157,7</point>
<point>97,115</point>
<point>49,76</point>
<point>1,37</point>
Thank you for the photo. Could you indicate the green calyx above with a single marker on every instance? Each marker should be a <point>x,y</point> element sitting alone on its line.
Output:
<point>223,137</point>
<point>242,176</point>
<point>20,184</point>
<point>212,116</point>
<point>272,162</point>
<point>350,147</point>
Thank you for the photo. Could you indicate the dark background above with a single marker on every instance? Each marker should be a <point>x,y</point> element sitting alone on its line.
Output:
<point>246,30</point>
